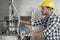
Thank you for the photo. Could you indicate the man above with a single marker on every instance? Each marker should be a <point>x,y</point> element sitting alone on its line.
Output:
<point>51,22</point>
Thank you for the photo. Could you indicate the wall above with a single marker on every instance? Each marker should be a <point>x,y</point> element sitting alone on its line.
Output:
<point>4,8</point>
<point>24,6</point>
<point>4,11</point>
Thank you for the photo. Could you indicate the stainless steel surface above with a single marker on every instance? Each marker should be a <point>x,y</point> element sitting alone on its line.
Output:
<point>37,38</point>
<point>37,28</point>
<point>8,38</point>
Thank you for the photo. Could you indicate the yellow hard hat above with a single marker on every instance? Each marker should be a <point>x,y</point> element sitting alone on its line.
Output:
<point>48,3</point>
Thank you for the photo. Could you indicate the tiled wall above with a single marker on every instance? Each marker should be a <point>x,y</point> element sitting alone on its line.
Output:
<point>4,11</point>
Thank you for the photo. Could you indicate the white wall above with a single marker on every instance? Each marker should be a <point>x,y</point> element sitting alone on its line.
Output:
<point>57,6</point>
<point>23,6</point>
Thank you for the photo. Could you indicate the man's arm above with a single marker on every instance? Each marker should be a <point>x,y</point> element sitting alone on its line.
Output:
<point>35,23</point>
<point>38,34</point>
<point>25,22</point>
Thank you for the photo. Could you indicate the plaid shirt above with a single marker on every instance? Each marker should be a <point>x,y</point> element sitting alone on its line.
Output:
<point>52,27</point>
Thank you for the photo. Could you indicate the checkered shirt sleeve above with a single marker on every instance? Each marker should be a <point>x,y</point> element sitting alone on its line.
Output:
<point>38,22</point>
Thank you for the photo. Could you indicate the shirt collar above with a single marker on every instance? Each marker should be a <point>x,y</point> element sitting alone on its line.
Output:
<point>52,15</point>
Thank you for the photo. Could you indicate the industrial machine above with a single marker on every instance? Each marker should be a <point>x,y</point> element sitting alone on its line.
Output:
<point>13,29</point>
<point>11,25</point>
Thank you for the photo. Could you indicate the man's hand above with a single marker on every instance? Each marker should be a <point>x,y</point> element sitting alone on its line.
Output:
<point>39,34</point>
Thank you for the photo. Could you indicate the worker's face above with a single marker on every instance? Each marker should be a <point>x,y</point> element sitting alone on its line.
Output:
<point>45,10</point>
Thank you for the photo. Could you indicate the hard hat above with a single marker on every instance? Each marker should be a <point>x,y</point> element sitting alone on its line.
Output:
<point>48,3</point>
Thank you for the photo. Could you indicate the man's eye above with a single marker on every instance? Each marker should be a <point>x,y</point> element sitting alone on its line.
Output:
<point>42,8</point>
